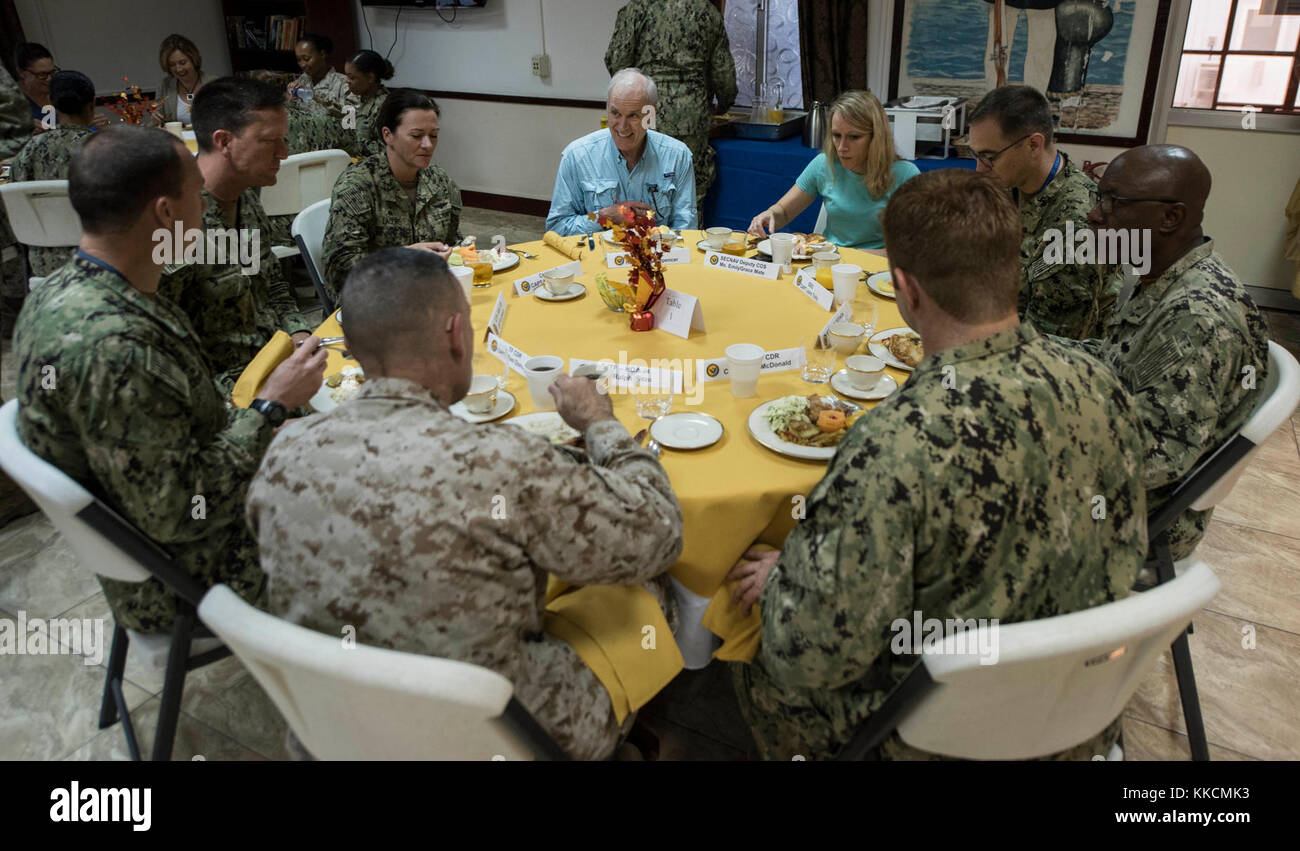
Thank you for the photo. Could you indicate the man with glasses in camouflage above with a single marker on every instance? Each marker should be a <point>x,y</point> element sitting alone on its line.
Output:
<point>1012,137</point>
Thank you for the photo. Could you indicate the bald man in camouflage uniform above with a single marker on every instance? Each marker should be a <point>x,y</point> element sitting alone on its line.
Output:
<point>369,210</point>
<point>15,130</point>
<point>682,45</point>
<point>1186,339</point>
<point>114,388</point>
<point>429,535</point>
<point>972,492</point>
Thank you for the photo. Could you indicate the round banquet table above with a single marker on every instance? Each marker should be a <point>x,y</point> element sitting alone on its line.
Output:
<point>736,491</point>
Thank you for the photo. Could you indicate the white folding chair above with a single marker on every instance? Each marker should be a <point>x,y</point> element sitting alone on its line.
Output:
<point>303,180</point>
<point>1203,489</point>
<point>371,703</point>
<point>308,231</point>
<point>41,215</point>
<point>117,550</point>
<point>1056,682</point>
<point>820,227</point>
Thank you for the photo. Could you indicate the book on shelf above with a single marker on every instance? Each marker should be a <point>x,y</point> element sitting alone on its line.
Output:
<point>273,32</point>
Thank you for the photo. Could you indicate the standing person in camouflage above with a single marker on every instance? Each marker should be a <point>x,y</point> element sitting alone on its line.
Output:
<point>46,157</point>
<point>15,130</point>
<point>1012,137</point>
<point>395,198</point>
<point>439,534</point>
<point>240,125</point>
<point>971,492</point>
<point>683,46</point>
<point>366,71</point>
<point>1186,339</point>
<point>114,388</point>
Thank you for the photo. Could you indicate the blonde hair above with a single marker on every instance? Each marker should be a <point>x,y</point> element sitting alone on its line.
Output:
<point>173,43</point>
<point>863,112</point>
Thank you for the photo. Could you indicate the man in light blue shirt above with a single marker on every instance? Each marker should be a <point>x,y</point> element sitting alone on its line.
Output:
<point>626,163</point>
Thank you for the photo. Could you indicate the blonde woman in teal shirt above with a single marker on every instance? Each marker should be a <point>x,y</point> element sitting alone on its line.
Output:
<point>854,175</point>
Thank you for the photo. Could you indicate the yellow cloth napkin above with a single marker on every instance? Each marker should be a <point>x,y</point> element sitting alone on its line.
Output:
<point>251,379</point>
<point>606,626</point>
<point>573,247</point>
<point>740,633</point>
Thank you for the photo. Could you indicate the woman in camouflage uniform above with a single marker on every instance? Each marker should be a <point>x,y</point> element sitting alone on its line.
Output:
<point>365,72</point>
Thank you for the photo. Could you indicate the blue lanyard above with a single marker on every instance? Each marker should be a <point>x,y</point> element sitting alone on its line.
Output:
<point>1056,166</point>
<point>91,259</point>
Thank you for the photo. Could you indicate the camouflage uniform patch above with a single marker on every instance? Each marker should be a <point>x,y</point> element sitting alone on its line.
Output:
<point>972,502</point>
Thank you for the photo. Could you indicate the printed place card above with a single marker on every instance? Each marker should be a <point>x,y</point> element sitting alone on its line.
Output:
<point>498,315</point>
<point>619,259</point>
<point>743,265</point>
<point>805,283</point>
<point>632,374</point>
<point>525,286</point>
<point>677,313</point>
<point>511,356</point>
<point>780,360</point>
<point>844,314</point>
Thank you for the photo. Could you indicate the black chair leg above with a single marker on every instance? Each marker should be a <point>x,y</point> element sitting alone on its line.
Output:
<point>108,712</point>
<point>1183,664</point>
<point>173,686</point>
<point>132,744</point>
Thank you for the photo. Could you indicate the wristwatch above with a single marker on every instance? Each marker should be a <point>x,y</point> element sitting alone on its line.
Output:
<point>273,411</point>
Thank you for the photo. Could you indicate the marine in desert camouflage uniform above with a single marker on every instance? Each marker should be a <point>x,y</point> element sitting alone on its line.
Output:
<point>439,535</point>
<point>114,389</point>
<point>971,492</point>
<point>682,45</point>
<point>1187,339</point>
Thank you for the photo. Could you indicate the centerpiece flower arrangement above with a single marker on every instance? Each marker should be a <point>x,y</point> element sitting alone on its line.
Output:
<point>635,230</point>
<point>132,106</point>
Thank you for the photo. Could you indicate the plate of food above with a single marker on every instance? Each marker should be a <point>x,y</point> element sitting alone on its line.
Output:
<point>667,232</point>
<point>882,284</point>
<point>803,426</point>
<point>898,347</point>
<point>548,424</point>
<point>468,255</point>
<point>337,389</point>
<point>805,246</point>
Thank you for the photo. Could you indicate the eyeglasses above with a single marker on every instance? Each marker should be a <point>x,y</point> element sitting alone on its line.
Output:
<point>42,75</point>
<point>1106,200</point>
<point>989,159</point>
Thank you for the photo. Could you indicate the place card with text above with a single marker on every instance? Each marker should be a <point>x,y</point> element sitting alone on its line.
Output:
<point>619,259</point>
<point>632,374</point>
<point>498,315</point>
<point>510,355</point>
<point>525,286</point>
<point>805,283</point>
<point>743,265</point>
<point>677,313</point>
<point>844,314</point>
<point>779,360</point>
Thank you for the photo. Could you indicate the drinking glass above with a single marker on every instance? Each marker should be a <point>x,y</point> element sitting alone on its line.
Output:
<point>482,274</point>
<point>819,360</point>
<point>736,244</point>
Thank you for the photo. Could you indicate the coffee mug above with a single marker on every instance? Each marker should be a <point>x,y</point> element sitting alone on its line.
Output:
<point>865,371</point>
<point>482,395</point>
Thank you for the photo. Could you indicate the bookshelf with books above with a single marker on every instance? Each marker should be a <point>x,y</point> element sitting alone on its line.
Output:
<point>263,34</point>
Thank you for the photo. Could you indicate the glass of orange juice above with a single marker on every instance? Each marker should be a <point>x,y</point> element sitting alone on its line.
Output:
<point>822,262</point>
<point>482,273</point>
<point>736,243</point>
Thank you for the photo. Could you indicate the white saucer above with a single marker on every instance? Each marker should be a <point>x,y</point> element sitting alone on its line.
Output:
<point>338,316</point>
<point>873,284</point>
<point>505,404</point>
<point>686,431</point>
<point>840,384</point>
<point>575,290</point>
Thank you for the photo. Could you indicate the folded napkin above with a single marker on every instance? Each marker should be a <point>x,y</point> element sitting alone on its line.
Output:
<point>740,633</point>
<point>573,247</point>
<point>605,626</point>
<point>251,379</point>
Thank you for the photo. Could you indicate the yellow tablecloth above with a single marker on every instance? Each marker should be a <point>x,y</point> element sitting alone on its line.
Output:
<point>736,491</point>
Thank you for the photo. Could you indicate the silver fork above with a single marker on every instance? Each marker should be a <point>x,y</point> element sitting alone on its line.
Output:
<point>524,253</point>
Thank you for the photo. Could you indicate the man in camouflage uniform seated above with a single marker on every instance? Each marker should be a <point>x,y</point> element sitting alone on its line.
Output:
<point>971,492</point>
<point>1186,339</point>
<point>683,46</point>
<point>114,388</point>
<point>1012,136</point>
<point>15,130</point>
<point>46,157</point>
<point>240,125</point>
<point>431,535</point>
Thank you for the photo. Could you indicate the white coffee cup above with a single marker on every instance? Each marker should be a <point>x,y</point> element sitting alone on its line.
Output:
<point>464,276</point>
<point>846,337</point>
<point>557,283</point>
<point>845,278</point>
<point>714,237</point>
<point>744,361</point>
<point>174,128</point>
<point>540,372</point>
<point>482,395</point>
<point>783,251</point>
<point>865,371</point>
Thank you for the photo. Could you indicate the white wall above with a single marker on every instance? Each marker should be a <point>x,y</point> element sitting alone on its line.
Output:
<point>110,40</point>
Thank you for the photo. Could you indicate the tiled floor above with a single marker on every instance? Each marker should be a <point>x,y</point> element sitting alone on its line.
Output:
<point>1249,690</point>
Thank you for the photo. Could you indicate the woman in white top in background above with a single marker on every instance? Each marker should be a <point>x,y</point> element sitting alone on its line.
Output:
<point>182,76</point>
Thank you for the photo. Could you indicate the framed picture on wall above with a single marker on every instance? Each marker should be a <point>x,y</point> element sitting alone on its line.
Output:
<point>1096,60</point>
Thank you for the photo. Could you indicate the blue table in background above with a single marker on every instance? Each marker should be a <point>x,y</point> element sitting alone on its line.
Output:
<point>752,175</point>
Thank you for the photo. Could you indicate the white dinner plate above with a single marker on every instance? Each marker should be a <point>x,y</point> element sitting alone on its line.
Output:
<point>840,384</point>
<point>505,404</point>
<point>874,284</point>
<point>686,431</point>
<point>763,433</point>
<point>608,236</point>
<point>575,290</point>
<point>508,260</point>
<point>545,424</point>
<point>878,349</point>
<point>338,316</point>
<point>323,402</point>
<point>765,247</point>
